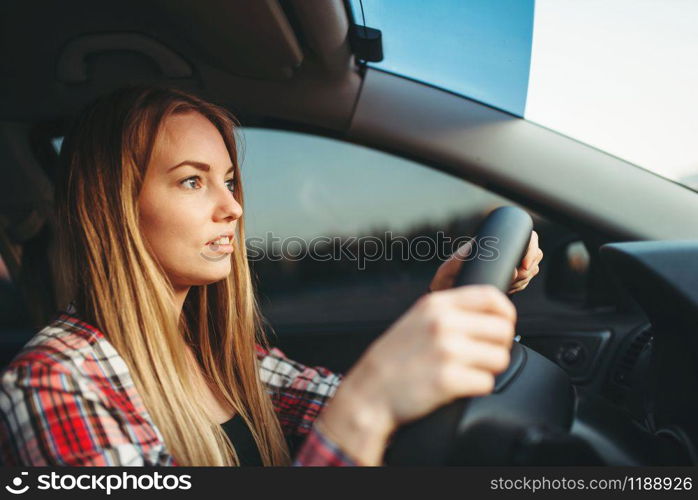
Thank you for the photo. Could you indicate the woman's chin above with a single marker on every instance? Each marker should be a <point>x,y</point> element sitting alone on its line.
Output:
<point>205,277</point>
<point>213,277</point>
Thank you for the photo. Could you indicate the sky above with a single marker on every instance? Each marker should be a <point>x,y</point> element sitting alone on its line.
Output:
<point>480,49</point>
<point>618,75</point>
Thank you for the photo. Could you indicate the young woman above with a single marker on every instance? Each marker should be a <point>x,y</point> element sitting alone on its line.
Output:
<point>160,358</point>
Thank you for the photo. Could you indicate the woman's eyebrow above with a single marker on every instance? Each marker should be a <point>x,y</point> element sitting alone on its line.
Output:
<point>197,164</point>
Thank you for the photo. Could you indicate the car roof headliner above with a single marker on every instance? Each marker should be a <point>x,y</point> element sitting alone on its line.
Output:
<point>287,59</point>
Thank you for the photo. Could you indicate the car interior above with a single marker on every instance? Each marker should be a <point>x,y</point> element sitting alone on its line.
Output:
<point>606,371</point>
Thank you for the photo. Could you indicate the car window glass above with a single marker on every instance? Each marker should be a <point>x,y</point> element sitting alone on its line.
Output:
<point>341,233</point>
<point>616,81</point>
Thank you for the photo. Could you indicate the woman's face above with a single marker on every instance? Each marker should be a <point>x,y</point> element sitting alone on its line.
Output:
<point>187,206</point>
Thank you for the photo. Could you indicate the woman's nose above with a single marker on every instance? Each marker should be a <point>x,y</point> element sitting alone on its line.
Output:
<point>227,207</point>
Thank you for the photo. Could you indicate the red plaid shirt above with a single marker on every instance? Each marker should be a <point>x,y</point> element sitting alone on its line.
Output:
<point>68,399</point>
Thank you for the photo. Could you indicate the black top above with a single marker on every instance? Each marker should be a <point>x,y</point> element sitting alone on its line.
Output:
<point>241,437</point>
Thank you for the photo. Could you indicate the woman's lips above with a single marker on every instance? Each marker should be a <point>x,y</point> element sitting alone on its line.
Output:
<point>220,248</point>
<point>221,239</point>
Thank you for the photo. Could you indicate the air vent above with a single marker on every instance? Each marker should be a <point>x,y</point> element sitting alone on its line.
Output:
<point>624,370</point>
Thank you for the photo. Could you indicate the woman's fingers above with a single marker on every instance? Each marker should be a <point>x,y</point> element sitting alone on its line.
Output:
<point>527,275</point>
<point>479,298</point>
<point>486,356</point>
<point>517,288</point>
<point>447,272</point>
<point>455,261</point>
<point>480,327</point>
<point>531,252</point>
<point>461,381</point>
<point>477,382</point>
<point>524,276</point>
<point>477,341</point>
<point>528,267</point>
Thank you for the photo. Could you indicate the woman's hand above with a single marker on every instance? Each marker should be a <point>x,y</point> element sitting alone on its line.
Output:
<point>528,267</point>
<point>450,344</point>
<point>448,271</point>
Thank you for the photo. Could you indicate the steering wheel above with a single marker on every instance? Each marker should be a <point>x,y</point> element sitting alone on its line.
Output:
<point>533,392</point>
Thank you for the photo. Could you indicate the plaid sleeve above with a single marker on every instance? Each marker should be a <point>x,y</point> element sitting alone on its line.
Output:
<point>48,416</point>
<point>299,394</point>
<point>319,450</point>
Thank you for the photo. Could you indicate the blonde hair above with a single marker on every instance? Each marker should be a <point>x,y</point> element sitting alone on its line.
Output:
<point>119,286</point>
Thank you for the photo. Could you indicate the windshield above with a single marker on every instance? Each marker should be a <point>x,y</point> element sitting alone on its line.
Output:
<point>618,75</point>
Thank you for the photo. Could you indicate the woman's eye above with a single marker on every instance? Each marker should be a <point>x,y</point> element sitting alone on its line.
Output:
<point>192,182</point>
<point>230,185</point>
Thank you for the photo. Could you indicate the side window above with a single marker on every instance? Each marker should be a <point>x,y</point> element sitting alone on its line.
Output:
<point>338,233</point>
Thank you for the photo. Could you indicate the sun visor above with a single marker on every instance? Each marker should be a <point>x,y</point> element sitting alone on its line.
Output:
<point>250,39</point>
